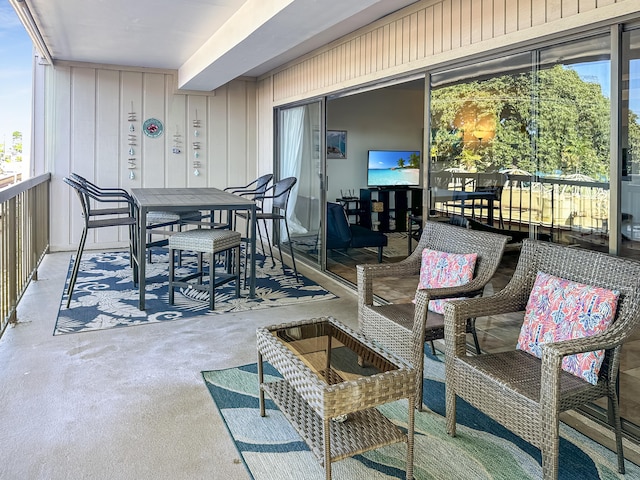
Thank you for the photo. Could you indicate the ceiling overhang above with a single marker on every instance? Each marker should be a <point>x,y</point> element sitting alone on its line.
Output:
<point>209,42</point>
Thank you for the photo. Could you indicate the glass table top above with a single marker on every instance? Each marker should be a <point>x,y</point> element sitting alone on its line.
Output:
<point>332,353</point>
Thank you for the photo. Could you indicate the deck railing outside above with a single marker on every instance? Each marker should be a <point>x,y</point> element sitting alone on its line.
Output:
<point>24,240</point>
<point>564,207</point>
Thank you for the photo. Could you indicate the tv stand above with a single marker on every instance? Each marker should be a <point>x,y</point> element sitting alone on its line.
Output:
<point>389,207</point>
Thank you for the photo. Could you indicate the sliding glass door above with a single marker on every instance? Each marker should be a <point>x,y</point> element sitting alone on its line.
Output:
<point>630,215</point>
<point>298,154</point>
<point>537,124</point>
<point>547,119</point>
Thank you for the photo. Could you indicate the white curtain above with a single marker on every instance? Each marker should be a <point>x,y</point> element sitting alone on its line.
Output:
<point>292,142</point>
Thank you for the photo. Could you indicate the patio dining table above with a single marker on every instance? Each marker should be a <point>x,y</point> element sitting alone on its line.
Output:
<point>186,200</point>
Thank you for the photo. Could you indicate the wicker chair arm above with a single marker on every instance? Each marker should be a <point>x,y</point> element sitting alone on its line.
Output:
<point>457,312</point>
<point>602,341</point>
<point>497,304</point>
<point>445,292</point>
<point>367,272</point>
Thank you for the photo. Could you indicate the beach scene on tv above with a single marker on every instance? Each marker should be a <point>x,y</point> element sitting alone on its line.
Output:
<point>393,168</point>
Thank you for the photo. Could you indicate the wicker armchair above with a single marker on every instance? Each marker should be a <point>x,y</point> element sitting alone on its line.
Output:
<point>403,328</point>
<point>526,394</point>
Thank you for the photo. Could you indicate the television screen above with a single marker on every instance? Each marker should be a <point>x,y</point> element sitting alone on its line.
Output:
<point>390,168</point>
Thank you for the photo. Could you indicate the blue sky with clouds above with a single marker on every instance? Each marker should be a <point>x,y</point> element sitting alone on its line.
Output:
<point>15,75</point>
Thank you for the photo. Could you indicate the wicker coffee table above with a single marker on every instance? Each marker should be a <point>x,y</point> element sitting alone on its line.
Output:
<point>333,377</point>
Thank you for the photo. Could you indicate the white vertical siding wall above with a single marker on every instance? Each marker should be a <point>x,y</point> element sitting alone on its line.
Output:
<point>87,130</point>
<point>431,33</point>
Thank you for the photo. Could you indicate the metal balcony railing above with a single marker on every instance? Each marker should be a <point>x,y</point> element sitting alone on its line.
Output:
<point>567,208</point>
<point>24,240</point>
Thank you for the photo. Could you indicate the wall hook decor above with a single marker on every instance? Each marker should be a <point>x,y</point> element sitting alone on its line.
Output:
<point>196,145</point>
<point>131,117</point>
<point>131,142</point>
<point>177,142</point>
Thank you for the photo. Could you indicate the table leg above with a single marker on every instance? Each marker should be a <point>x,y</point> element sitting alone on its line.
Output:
<point>260,382</point>
<point>252,278</point>
<point>327,448</point>
<point>410,429</point>
<point>141,256</point>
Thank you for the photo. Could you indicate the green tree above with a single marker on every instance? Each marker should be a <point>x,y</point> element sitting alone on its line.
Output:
<point>16,146</point>
<point>563,126</point>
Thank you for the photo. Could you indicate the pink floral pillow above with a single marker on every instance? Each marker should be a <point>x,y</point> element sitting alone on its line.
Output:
<point>443,269</point>
<point>560,309</point>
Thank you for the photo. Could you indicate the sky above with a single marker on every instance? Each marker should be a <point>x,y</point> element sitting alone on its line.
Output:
<point>16,58</point>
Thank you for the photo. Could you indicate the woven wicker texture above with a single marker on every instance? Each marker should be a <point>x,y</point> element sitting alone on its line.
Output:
<point>310,402</point>
<point>522,392</point>
<point>160,217</point>
<point>205,240</point>
<point>403,329</point>
<point>210,241</point>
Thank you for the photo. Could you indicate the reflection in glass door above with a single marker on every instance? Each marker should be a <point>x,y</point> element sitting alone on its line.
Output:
<point>481,143</point>
<point>630,217</point>
<point>538,122</point>
<point>630,139</point>
<point>298,155</point>
<point>572,104</point>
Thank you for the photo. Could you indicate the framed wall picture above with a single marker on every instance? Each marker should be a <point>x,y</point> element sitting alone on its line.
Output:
<point>336,144</point>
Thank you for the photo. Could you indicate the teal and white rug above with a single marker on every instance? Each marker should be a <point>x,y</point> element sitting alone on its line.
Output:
<point>482,449</point>
<point>105,296</point>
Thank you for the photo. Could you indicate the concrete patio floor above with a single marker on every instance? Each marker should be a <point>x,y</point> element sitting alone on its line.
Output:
<point>126,403</point>
<point>130,403</point>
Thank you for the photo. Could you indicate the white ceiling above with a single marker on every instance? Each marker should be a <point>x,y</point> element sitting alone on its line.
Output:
<point>209,42</point>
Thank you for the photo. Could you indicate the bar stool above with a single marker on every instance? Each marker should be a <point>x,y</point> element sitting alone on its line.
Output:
<point>205,241</point>
<point>157,221</point>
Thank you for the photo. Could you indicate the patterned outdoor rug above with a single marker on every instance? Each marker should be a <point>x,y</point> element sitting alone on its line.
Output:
<point>105,296</point>
<point>482,449</point>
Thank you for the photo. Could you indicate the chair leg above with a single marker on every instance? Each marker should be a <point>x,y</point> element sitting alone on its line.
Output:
<point>433,348</point>
<point>550,446</point>
<point>266,232</point>
<point>212,280</point>
<point>171,275</point>
<point>293,258</point>
<point>380,254</point>
<point>614,420</point>
<point>76,266</point>
<point>475,335</point>
<point>450,408</point>
<point>200,267</point>
<point>237,272</point>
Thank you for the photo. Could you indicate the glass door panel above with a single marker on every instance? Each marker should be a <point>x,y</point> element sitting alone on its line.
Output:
<point>572,124</point>
<point>299,146</point>
<point>630,216</point>
<point>481,156</point>
<point>630,138</point>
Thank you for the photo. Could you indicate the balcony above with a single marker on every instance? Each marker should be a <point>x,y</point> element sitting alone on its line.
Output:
<point>124,402</point>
